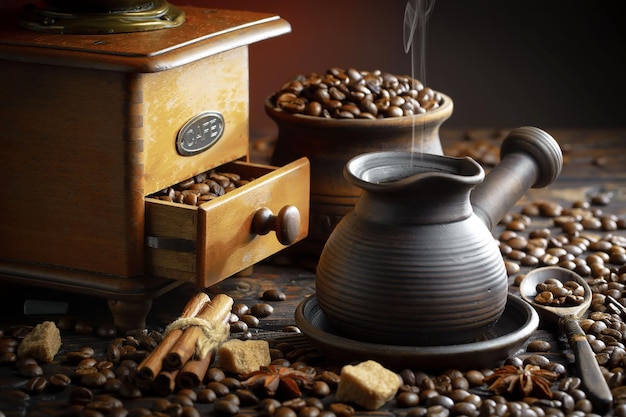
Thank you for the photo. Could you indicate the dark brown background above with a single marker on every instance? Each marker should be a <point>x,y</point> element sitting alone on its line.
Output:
<point>548,63</point>
<point>505,63</point>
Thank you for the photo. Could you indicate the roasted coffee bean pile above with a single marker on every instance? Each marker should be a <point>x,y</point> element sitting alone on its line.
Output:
<point>202,188</point>
<point>556,293</point>
<point>354,94</point>
<point>583,238</point>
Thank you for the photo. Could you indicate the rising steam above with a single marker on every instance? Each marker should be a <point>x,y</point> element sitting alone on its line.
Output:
<point>416,15</point>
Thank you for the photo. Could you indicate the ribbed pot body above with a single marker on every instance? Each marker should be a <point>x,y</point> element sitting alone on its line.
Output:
<point>412,264</point>
<point>428,285</point>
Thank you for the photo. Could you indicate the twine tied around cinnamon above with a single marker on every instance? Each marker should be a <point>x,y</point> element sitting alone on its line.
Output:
<point>199,331</point>
<point>212,336</point>
<point>202,336</point>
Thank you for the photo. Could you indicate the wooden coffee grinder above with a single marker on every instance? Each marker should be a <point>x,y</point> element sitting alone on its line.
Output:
<point>102,104</point>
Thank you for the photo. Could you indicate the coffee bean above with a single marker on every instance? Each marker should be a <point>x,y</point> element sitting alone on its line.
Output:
<point>291,329</point>
<point>172,409</point>
<point>58,382</point>
<point>440,400</point>
<point>231,382</point>
<point>240,309</point>
<point>80,395</point>
<point>238,327</point>
<point>82,370</point>
<point>407,399</point>
<point>87,412</point>
<point>342,409</point>
<point>112,385</point>
<point>320,389</point>
<point>190,411</point>
<point>206,395</point>
<point>30,370</point>
<point>242,397</point>
<point>36,385</point>
<point>261,310</point>
<point>315,403</point>
<point>104,403</point>
<point>161,404</point>
<point>250,320</point>
<point>78,355</point>
<point>129,390</point>
<point>539,346</point>
<point>19,332</point>
<point>267,406</point>
<point>214,374</point>
<point>113,353</point>
<point>218,388</point>
<point>93,380</point>
<point>273,294</point>
<point>139,412</point>
<point>226,408</point>
<point>309,411</point>
<point>118,412</point>
<point>283,411</point>
<point>464,408</point>
<point>8,344</point>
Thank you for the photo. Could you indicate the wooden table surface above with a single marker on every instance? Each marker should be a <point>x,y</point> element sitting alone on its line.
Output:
<point>595,163</point>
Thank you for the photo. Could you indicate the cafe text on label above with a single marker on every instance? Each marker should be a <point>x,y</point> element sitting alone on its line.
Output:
<point>200,133</point>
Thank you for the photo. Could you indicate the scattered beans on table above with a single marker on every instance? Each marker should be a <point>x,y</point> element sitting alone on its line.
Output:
<point>583,238</point>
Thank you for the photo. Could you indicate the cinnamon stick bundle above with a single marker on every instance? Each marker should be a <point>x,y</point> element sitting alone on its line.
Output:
<point>153,363</point>
<point>193,372</point>
<point>201,339</point>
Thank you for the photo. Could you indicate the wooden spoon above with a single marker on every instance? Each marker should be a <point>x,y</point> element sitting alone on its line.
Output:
<point>567,318</point>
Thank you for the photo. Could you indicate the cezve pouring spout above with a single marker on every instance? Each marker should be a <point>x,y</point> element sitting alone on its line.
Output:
<point>529,158</point>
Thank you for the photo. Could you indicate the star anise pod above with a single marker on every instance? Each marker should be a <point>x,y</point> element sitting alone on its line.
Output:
<point>274,379</point>
<point>510,380</point>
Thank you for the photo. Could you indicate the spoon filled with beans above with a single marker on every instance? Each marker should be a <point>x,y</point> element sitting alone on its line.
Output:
<point>562,297</point>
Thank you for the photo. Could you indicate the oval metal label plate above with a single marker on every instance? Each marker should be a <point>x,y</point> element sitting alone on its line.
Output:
<point>200,133</point>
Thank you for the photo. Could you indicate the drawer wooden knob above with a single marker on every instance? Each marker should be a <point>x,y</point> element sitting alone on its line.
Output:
<point>286,223</point>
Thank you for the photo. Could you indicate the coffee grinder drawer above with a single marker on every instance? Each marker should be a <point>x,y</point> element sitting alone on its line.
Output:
<point>219,238</point>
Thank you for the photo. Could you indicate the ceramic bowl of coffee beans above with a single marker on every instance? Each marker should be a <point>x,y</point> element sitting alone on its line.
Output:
<point>352,104</point>
<point>333,116</point>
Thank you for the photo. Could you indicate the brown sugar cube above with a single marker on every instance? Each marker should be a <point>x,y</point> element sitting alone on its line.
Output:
<point>42,343</point>
<point>243,357</point>
<point>367,384</point>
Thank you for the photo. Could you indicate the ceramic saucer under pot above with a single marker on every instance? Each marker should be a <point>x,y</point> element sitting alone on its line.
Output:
<point>505,338</point>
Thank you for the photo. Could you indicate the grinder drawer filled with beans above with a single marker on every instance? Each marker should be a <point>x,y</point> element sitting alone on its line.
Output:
<point>220,222</point>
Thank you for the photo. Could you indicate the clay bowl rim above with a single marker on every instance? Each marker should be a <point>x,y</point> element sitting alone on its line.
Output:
<point>438,115</point>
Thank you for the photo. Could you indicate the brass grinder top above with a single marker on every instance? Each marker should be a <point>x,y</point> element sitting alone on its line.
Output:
<point>205,32</point>
<point>100,16</point>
